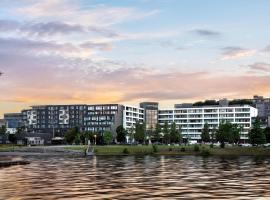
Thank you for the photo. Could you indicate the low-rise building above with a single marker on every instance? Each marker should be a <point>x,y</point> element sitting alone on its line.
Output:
<point>192,119</point>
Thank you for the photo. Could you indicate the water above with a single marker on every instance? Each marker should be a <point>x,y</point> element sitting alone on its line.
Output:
<point>131,177</point>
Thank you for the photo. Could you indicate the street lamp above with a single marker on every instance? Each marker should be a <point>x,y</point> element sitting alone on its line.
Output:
<point>95,139</point>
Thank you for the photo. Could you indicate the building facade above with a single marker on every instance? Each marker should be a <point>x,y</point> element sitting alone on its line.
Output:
<point>13,121</point>
<point>263,106</point>
<point>57,119</point>
<point>132,115</point>
<point>192,119</point>
<point>150,115</point>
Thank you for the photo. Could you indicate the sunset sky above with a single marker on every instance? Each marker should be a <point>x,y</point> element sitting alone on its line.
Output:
<point>127,51</point>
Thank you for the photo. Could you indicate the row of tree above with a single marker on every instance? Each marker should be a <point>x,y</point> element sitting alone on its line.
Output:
<point>166,134</point>
<point>230,133</point>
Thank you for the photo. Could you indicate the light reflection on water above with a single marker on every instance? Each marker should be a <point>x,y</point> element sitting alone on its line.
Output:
<point>131,177</point>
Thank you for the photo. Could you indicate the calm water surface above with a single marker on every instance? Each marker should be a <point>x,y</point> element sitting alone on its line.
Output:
<point>131,177</point>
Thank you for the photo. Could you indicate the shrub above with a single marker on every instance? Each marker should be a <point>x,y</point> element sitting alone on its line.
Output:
<point>183,149</point>
<point>170,149</point>
<point>222,145</point>
<point>211,145</point>
<point>196,148</point>
<point>205,152</point>
<point>155,149</point>
<point>125,151</point>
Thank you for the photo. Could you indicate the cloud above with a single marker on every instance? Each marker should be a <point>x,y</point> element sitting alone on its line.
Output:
<point>267,49</point>
<point>98,15</point>
<point>56,79</point>
<point>94,45</point>
<point>22,46</point>
<point>206,33</point>
<point>234,52</point>
<point>53,28</point>
<point>259,66</point>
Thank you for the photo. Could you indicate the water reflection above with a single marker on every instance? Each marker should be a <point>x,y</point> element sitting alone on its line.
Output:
<point>131,177</point>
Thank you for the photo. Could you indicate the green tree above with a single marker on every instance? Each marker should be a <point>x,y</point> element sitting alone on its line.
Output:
<point>157,133</point>
<point>174,133</point>
<point>222,134</point>
<point>107,137</point>
<point>235,131</point>
<point>256,133</point>
<point>213,134</point>
<point>71,135</point>
<point>3,129</point>
<point>205,133</point>
<point>267,134</point>
<point>166,133</point>
<point>12,138</point>
<point>180,134</point>
<point>139,132</point>
<point>121,134</point>
<point>20,130</point>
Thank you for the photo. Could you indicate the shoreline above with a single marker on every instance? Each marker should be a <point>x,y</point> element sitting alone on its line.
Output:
<point>139,150</point>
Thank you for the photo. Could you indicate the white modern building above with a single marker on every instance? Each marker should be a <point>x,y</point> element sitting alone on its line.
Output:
<point>192,119</point>
<point>131,115</point>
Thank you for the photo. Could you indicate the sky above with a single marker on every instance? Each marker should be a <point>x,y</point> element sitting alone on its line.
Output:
<point>128,51</point>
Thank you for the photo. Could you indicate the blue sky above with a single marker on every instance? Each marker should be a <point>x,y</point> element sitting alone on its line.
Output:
<point>104,51</point>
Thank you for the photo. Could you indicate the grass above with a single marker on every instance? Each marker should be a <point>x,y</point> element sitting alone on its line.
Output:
<point>8,147</point>
<point>205,150</point>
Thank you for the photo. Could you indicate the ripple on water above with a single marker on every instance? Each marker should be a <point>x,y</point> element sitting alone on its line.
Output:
<point>131,177</point>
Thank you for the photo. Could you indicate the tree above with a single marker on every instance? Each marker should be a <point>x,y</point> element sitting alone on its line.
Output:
<point>166,132</point>
<point>3,129</point>
<point>256,133</point>
<point>235,131</point>
<point>157,133</point>
<point>205,133</point>
<point>174,134</point>
<point>267,134</point>
<point>213,134</point>
<point>71,135</point>
<point>12,138</point>
<point>121,134</point>
<point>222,134</point>
<point>20,130</point>
<point>107,137</point>
<point>139,132</point>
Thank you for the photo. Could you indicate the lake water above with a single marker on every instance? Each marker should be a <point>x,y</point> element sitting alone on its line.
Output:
<point>132,177</point>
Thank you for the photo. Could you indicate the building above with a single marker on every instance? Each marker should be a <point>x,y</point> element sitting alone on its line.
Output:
<point>150,115</point>
<point>102,117</point>
<point>13,121</point>
<point>132,115</point>
<point>3,122</point>
<point>192,119</point>
<point>57,119</point>
<point>263,106</point>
